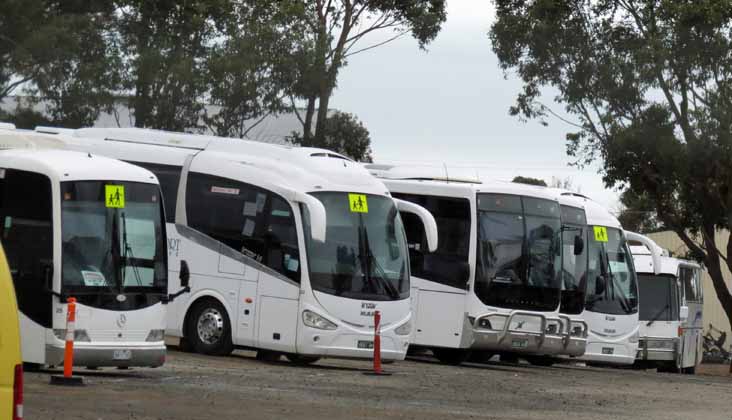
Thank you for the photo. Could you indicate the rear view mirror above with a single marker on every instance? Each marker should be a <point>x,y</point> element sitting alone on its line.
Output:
<point>579,245</point>
<point>599,285</point>
<point>48,277</point>
<point>316,211</point>
<point>428,221</point>
<point>684,313</point>
<point>185,274</point>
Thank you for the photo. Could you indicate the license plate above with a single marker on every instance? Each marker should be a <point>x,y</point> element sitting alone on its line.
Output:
<point>362,344</point>
<point>122,355</point>
<point>607,350</point>
<point>520,344</point>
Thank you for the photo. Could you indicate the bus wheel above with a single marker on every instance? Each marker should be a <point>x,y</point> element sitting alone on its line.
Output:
<point>451,356</point>
<point>299,359</point>
<point>209,329</point>
<point>540,360</point>
<point>689,370</point>
<point>509,358</point>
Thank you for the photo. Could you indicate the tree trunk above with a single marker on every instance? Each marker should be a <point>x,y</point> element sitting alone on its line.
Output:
<point>714,269</point>
<point>323,102</point>
<point>307,129</point>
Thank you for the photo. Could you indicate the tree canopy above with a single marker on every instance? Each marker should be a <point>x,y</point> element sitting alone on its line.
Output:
<point>645,86</point>
<point>528,180</point>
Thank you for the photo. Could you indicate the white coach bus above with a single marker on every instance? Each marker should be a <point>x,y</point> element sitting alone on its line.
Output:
<point>493,286</point>
<point>670,310</point>
<point>291,249</point>
<point>610,287</point>
<point>89,227</point>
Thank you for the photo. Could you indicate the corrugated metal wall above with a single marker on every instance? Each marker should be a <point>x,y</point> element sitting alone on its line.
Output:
<point>713,313</point>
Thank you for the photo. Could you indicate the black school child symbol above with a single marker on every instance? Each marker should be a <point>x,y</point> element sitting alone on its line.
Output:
<point>114,196</point>
<point>358,203</point>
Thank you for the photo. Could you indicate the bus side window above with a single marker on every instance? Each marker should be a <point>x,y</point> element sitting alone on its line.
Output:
<point>687,277</point>
<point>449,264</point>
<point>26,231</point>
<point>169,177</point>
<point>249,219</point>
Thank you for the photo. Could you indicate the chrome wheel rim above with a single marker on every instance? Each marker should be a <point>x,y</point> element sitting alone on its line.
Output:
<point>210,326</point>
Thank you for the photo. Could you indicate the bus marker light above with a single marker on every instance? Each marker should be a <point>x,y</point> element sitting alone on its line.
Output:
<point>68,378</point>
<point>248,300</point>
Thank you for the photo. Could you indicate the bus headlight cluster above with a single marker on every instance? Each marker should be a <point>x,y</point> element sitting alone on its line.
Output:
<point>578,331</point>
<point>552,327</point>
<point>155,335</point>
<point>311,319</point>
<point>660,344</point>
<point>404,329</point>
<point>635,337</point>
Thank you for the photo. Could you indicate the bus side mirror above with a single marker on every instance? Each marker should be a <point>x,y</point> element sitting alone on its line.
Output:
<point>684,313</point>
<point>428,221</point>
<point>579,245</point>
<point>599,285</point>
<point>48,277</point>
<point>185,274</point>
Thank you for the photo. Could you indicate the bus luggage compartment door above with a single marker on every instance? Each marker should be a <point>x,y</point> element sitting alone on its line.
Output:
<point>439,319</point>
<point>277,323</point>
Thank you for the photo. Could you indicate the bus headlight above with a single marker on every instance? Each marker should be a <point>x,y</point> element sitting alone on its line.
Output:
<point>155,335</point>
<point>661,344</point>
<point>311,319</point>
<point>404,329</point>
<point>635,337</point>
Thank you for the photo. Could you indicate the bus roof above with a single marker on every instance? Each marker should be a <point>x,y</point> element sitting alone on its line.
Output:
<point>66,165</point>
<point>297,168</point>
<point>644,261</point>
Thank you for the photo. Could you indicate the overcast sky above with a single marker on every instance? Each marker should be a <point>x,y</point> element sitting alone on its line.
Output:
<point>450,105</point>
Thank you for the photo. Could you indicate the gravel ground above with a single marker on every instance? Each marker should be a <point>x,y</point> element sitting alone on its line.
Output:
<point>238,387</point>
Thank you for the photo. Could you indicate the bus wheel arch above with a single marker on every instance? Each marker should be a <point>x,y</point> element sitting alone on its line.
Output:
<point>207,327</point>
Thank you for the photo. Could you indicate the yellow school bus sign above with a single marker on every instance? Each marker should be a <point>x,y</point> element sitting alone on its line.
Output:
<point>358,203</point>
<point>600,234</point>
<point>114,196</point>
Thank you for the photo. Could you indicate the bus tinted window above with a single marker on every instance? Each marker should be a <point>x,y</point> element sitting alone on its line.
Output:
<point>169,177</point>
<point>449,264</point>
<point>249,219</point>
<point>691,284</point>
<point>26,232</point>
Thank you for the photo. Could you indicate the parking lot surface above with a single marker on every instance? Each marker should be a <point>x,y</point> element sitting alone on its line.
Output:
<point>237,387</point>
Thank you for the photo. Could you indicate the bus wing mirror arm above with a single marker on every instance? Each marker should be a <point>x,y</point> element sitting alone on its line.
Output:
<point>656,251</point>
<point>185,282</point>
<point>428,220</point>
<point>316,210</point>
<point>48,281</point>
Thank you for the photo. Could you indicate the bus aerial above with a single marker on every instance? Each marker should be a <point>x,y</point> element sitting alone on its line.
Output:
<point>493,285</point>
<point>292,249</point>
<point>84,226</point>
<point>671,305</point>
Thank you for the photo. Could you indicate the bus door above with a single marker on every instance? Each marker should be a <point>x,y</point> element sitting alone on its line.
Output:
<point>690,280</point>
<point>26,231</point>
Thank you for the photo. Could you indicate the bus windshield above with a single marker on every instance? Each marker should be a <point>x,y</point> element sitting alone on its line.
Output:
<point>112,238</point>
<point>519,252</point>
<point>364,253</point>
<point>574,267</point>
<point>612,287</point>
<point>660,298</point>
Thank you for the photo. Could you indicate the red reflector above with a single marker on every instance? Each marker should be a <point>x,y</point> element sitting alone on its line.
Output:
<point>18,393</point>
<point>681,331</point>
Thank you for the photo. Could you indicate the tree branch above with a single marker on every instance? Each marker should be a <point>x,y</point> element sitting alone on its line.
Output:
<point>395,37</point>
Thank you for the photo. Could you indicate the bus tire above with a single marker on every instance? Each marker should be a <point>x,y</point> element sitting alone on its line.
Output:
<point>545,361</point>
<point>268,356</point>
<point>689,370</point>
<point>209,329</point>
<point>451,356</point>
<point>509,358</point>
<point>301,360</point>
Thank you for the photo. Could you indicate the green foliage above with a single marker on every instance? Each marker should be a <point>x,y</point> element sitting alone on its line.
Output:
<point>343,133</point>
<point>528,180</point>
<point>648,85</point>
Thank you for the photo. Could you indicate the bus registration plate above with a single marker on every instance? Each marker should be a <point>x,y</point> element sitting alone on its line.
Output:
<point>122,355</point>
<point>365,344</point>
<point>607,350</point>
<point>520,344</point>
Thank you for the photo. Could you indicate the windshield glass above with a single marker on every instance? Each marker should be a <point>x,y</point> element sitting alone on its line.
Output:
<point>518,252</point>
<point>574,267</point>
<point>364,253</point>
<point>612,287</point>
<point>660,298</point>
<point>112,237</point>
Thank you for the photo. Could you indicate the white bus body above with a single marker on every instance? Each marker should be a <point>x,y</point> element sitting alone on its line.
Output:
<point>475,294</point>
<point>63,238</point>
<point>610,287</point>
<point>291,250</point>
<point>670,310</point>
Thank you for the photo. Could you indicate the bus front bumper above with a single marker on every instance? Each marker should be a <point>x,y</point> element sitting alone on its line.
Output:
<point>610,353</point>
<point>657,349</point>
<point>352,345</point>
<point>110,354</point>
<point>543,335</point>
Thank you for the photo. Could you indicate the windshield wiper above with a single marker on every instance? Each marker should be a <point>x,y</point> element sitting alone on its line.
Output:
<point>128,256</point>
<point>380,276</point>
<point>658,315</point>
